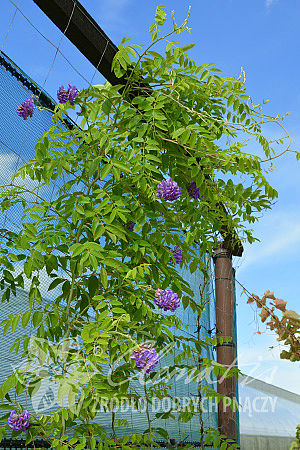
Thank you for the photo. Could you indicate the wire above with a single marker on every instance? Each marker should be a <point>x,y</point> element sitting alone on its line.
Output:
<point>96,70</point>
<point>12,150</point>
<point>10,25</point>
<point>57,48</point>
<point>108,42</point>
<point>51,43</point>
<point>245,289</point>
<point>89,83</point>
<point>96,26</point>
<point>46,78</point>
<point>14,223</point>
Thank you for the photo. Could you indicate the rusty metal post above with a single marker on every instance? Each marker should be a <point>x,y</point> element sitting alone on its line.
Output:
<point>225,324</point>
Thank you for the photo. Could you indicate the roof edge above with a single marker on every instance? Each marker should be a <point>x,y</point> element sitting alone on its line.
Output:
<point>260,385</point>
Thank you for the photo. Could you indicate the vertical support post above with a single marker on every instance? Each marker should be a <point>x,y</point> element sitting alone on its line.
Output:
<point>225,324</point>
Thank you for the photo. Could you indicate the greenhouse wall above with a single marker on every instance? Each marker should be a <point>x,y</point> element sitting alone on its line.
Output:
<point>269,415</point>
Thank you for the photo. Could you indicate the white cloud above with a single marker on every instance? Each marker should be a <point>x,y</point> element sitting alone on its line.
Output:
<point>265,364</point>
<point>44,279</point>
<point>8,165</point>
<point>269,3</point>
<point>277,232</point>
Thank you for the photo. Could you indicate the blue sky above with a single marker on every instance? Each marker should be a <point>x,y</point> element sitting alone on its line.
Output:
<point>262,36</point>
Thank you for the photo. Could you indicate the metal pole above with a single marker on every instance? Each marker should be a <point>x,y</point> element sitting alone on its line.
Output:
<point>225,324</point>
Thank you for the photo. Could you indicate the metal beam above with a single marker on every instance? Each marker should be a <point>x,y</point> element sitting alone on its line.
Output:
<point>84,32</point>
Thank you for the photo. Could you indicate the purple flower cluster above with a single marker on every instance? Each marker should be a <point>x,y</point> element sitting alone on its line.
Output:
<point>177,253</point>
<point>145,357</point>
<point>19,421</point>
<point>167,300</point>
<point>130,225</point>
<point>64,95</point>
<point>193,190</point>
<point>168,190</point>
<point>69,94</point>
<point>26,109</point>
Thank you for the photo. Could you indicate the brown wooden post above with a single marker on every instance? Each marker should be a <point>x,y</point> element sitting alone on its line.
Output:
<point>225,324</point>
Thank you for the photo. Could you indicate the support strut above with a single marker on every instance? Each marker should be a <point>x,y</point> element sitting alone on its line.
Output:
<point>225,323</point>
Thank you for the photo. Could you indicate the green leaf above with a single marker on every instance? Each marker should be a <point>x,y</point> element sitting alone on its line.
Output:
<point>15,323</point>
<point>185,48</point>
<point>82,444</point>
<point>77,249</point>
<point>30,227</point>
<point>55,283</point>
<point>8,407</point>
<point>178,132</point>
<point>154,36</point>
<point>6,327</point>
<point>9,383</point>
<point>204,75</point>
<point>103,276</point>
<point>115,263</point>
<point>121,166</point>
<point>95,248</point>
<point>118,311</point>
<point>106,106</point>
<point>37,318</point>
<point>105,171</point>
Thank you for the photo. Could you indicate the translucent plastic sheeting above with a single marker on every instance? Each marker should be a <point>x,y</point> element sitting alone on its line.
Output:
<point>267,412</point>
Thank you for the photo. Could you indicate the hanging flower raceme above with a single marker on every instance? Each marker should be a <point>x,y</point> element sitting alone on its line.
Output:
<point>145,357</point>
<point>18,421</point>
<point>177,253</point>
<point>26,109</point>
<point>168,190</point>
<point>69,94</point>
<point>130,225</point>
<point>193,191</point>
<point>167,300</point>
